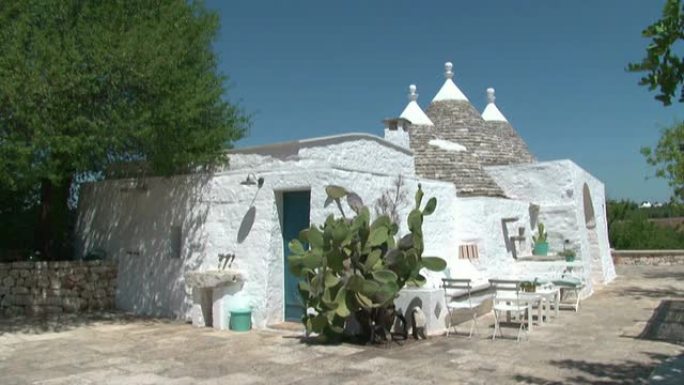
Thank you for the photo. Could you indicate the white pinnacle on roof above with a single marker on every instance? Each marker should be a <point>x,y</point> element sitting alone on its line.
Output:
<point>413,113</point>
<point>491,112</point>
<point>449,90</point>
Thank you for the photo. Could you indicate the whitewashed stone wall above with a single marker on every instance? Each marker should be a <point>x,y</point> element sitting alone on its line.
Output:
<point>602,267</point>
<point>489,223</point>
<point>36,288</point>
<point>135,227</point>
<point>158,229</point>
<point>558,188</point>
<point>351,152</point>
<point>398,137</point>
<point>134,224</point>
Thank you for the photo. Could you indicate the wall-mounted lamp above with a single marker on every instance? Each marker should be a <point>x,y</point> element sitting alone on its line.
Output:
<point>253,180</point>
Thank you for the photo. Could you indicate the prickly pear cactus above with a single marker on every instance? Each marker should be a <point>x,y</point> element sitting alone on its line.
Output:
<point>355,264</point>
<point>541,234</point>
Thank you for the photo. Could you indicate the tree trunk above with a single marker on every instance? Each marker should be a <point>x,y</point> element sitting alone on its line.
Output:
<point>53,219</point>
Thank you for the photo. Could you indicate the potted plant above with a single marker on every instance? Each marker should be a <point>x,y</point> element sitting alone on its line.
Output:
<point>569,254</point>
<point>541,247</point>
<point>529,286</point>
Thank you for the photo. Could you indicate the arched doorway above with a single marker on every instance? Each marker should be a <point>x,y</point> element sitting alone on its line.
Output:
<point>592,236</point>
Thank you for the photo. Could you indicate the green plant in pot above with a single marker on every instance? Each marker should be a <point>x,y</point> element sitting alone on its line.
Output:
<point>541,247</point>
<point>569,254</point>
<point>355,267</point>
<point>529,286</point>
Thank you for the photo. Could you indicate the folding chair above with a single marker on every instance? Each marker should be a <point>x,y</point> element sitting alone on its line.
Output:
<point>569,283</point>
<point>458,296</point>
<point>507,298</point>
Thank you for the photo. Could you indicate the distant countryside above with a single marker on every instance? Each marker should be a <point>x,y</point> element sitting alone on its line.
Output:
<point>646,225</point>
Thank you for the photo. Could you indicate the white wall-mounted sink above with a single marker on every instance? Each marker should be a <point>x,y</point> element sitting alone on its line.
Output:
<point>210,289</point>
<point>212,278</point>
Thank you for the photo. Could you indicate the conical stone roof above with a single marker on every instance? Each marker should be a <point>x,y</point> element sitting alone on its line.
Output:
<point>462,168</point>
<point>509,147</point>
<point>457,121</point>
<point>449,150</point>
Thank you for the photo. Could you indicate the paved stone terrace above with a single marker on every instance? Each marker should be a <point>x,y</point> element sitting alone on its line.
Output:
<point>599,345</point>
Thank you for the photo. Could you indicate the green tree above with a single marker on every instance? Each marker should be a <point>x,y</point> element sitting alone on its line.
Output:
<point>84,84</point>
<point>637,232</point>
<point>668,158</point>
<point>618,211</point>
<point>664,70</point>
<point>630,227</point>
<point>663,66</point>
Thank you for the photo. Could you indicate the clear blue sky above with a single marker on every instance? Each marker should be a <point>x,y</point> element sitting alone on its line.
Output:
<point>314,68</point>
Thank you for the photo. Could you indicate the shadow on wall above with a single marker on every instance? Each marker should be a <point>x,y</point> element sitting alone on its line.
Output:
<point>153,227</point>
<point>246,224</point>
<point>587,372</point>
<point>507,236</point>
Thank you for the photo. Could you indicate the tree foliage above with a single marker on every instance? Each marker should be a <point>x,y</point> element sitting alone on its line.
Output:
<point>668,158</point>
<point>84,84</point>
<point>664,71</point>
<point>631,227</point>
<point>663,62</point>
<point>617,211</point>
<point>638,233</point>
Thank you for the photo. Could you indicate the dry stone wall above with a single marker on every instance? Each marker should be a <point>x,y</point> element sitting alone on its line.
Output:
<point>648,257</point>
<point>36,288</point>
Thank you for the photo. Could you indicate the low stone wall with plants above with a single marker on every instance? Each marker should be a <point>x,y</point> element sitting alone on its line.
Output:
<point>37,288</point>
<point>648,257</point>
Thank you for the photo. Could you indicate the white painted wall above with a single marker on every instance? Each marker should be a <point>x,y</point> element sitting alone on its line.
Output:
<point>358,152</point>
<point>135,225</point>
<point>211,211</point>
<point>398,137</point>
<point>540,183</point>
<point>557,187</point>
<point>598,198</point>
<point>480,221</point>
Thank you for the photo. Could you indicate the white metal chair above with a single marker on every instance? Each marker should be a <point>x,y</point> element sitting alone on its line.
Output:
<point>569,283</point>
<point>550,296</point>
<point>458,296</point>
<point>507,299</point>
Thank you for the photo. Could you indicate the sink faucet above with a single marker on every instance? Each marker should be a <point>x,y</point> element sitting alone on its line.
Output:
<point>225,259</point>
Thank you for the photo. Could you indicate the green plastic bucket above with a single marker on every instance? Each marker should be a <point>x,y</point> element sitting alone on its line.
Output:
<point>240,320</point>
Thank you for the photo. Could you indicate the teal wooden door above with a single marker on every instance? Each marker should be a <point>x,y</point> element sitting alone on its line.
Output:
<point>296,207</point>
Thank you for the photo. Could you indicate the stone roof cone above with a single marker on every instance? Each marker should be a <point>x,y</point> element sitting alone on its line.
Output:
<point>413,113</point>
<point>509,147</point>
<point>439,152</point>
